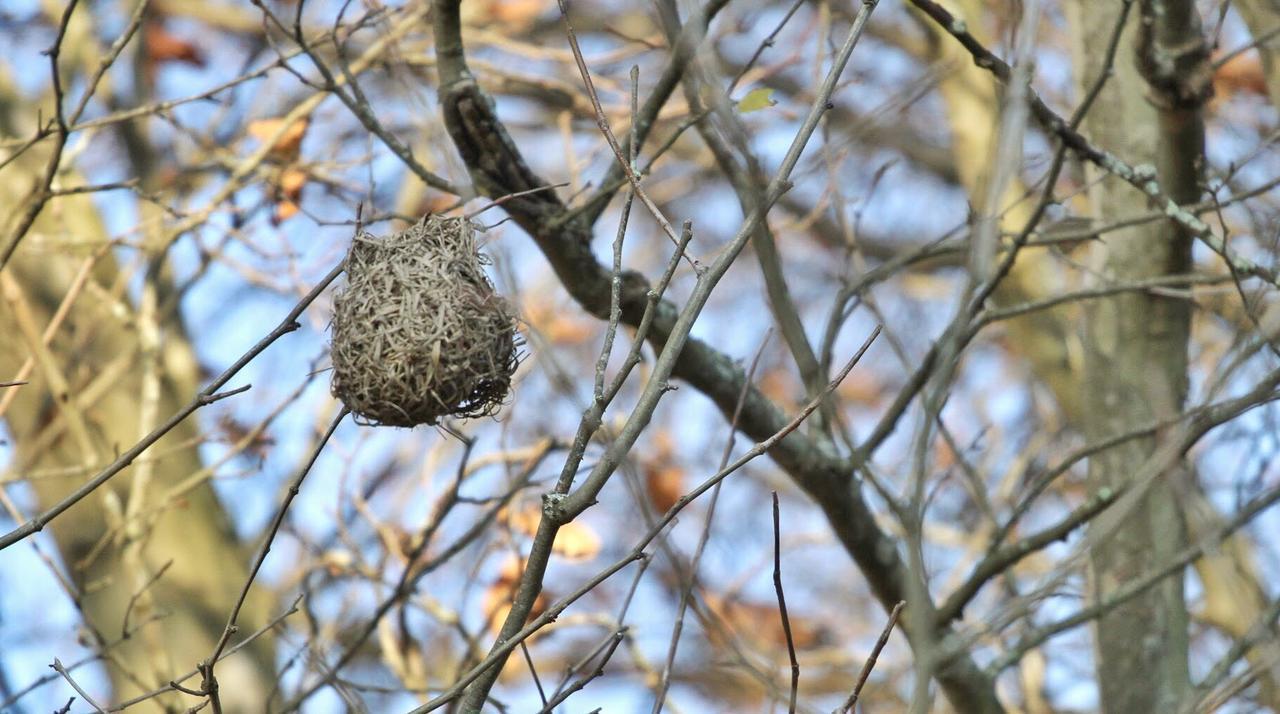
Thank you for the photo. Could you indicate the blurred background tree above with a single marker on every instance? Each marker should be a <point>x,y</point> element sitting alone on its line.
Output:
<point>994,301</point>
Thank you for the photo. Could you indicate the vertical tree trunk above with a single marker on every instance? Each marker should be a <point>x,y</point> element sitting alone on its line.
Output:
<point>150,631</point>
<point>1136,354</point>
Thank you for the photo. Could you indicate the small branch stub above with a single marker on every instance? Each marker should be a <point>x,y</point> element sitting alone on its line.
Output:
<point>419,332</point>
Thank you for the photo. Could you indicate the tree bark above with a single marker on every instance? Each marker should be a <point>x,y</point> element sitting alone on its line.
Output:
<point>155,584</point>
<point>1136,344</point>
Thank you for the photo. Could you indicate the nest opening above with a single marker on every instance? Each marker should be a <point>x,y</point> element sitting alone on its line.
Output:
<point>419,332</point>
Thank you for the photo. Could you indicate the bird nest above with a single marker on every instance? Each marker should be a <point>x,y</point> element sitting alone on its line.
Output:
<point>418,332</point>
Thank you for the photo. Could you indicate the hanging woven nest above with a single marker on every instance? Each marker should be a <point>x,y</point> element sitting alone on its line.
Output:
<point>418,332</point>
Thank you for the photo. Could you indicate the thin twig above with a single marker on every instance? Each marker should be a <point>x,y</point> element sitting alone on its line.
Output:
<point>57,667</point>
<point>1142,177</point>
<point>686,592</point>
<point>533,672</point>
<point>503,647</point>
<point>413,572</point>
<point>174,684</point>
<point>503,199</point>
<point>602,121</point>
<point>782,605</point>
<point>871,658</point>
<point>604,650</point>
<point>295,486</point>
<point>133,599</point>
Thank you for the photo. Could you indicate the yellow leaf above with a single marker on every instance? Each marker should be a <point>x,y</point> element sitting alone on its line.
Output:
<point>524,520</point>
<point>576,541</point>
<point>756,99</point>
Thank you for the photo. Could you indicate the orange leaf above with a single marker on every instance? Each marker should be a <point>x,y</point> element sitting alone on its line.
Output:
<point>511,570</point>
<point>664,485</point>
<point>778,385</point>
<point>511,15</point>
<point>164,47</point>
<point>519,12</point>
<point>284,211</point>
<point>496,602</point>
<point>292,180</point>
<point>559,326</point>
<point>288,143</point>
<point>664,445</point>
<point>943,457</point>
<point>437,203</point>
<point>1242,73</point>
<point>571,331</point>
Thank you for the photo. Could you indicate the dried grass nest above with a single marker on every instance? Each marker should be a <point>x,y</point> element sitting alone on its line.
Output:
<point>418,332</point>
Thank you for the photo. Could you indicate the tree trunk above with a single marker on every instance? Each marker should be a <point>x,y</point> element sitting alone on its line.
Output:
<point>153,572</point>
<point>1136,359</point>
